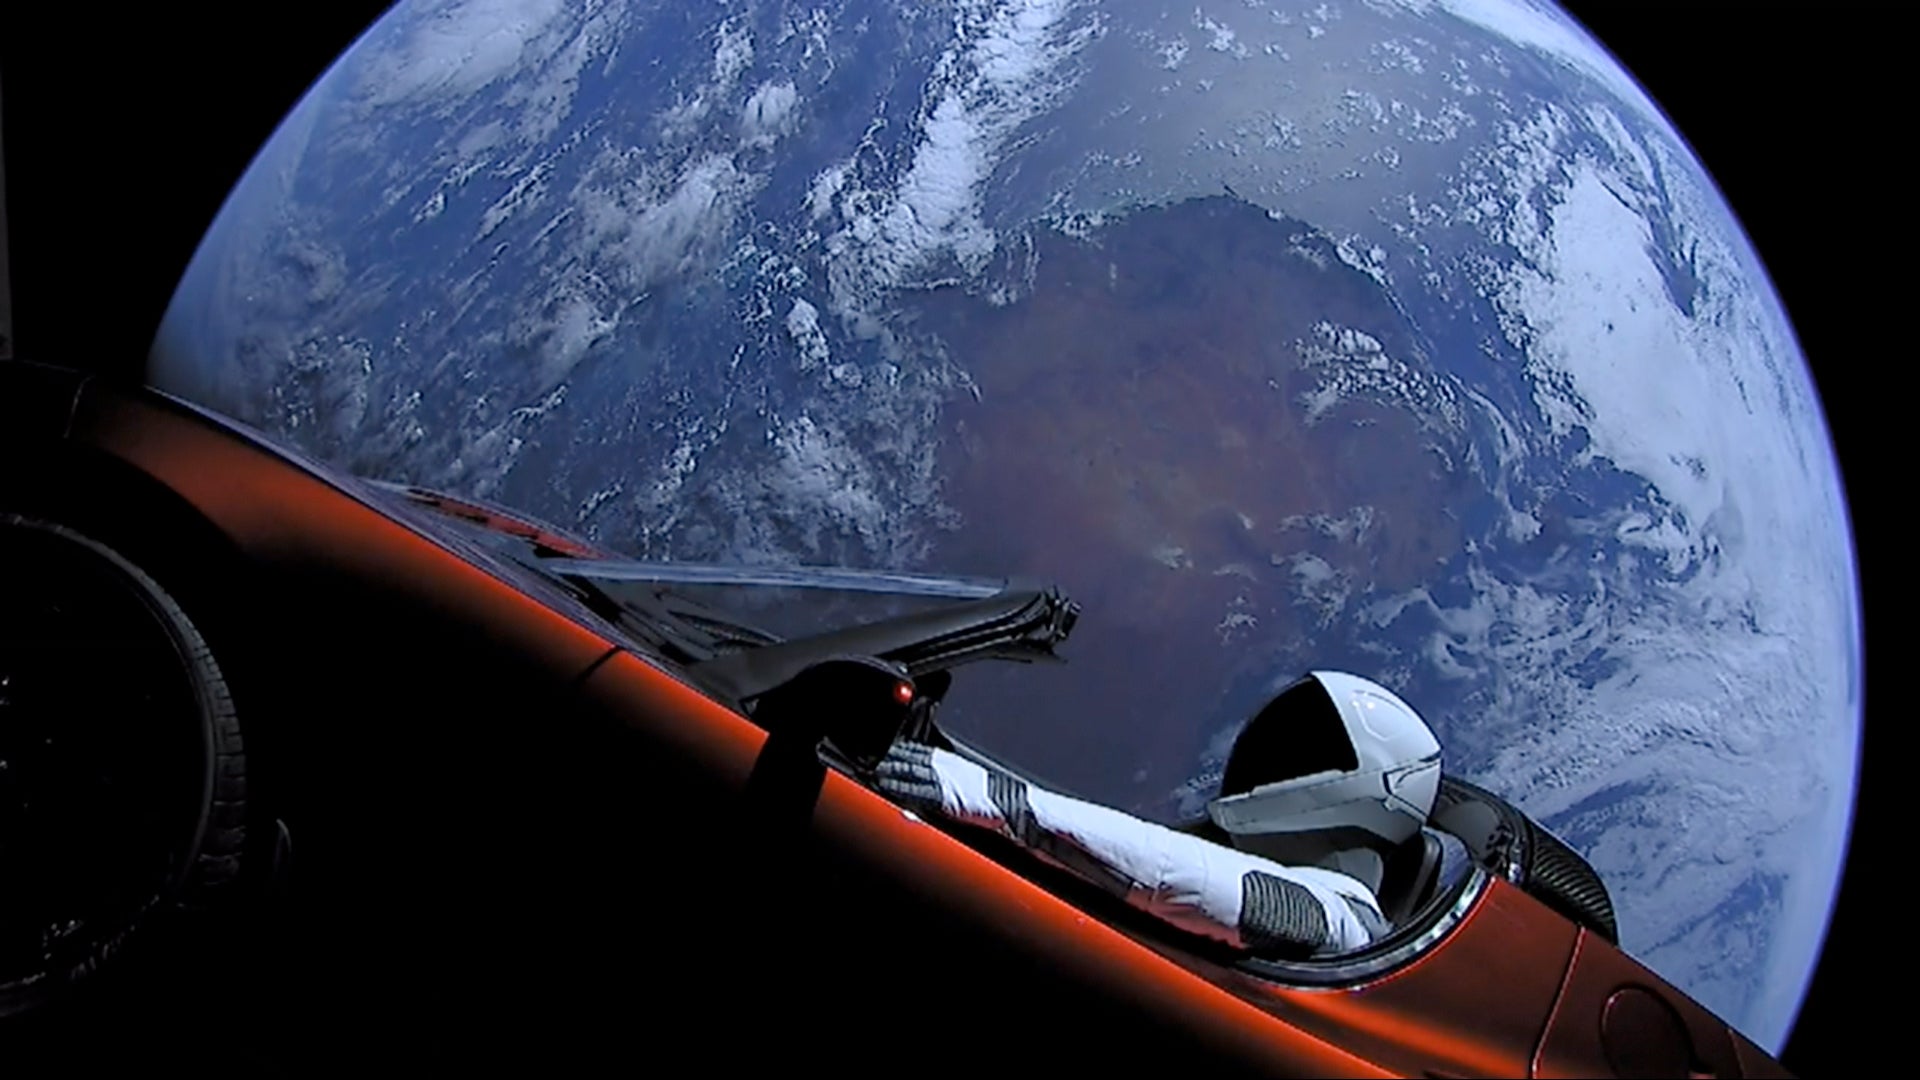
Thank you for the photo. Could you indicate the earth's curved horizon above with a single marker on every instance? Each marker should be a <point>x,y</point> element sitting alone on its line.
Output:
<point>1403,336</point>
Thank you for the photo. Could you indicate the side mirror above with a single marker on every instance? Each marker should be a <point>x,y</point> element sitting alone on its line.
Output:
<point>859,704</point>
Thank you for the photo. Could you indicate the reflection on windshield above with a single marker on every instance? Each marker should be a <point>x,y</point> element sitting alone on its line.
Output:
<point>785,611</point>
<point>739,631</point>
<point>706,618</point>
<point>799,577</point>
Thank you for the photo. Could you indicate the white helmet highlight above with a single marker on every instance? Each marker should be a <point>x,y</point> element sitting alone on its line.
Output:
<point>1334,762</point>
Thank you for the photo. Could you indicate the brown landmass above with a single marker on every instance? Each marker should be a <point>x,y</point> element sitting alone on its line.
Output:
<point>1139,440</point>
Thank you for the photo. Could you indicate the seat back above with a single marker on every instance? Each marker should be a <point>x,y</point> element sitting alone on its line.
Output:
<point>1408,879</point>
<point>1511,845</point>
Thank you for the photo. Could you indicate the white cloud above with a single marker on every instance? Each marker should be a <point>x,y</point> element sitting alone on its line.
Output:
<point>732,55</point>
<point>640,231</point>
<point>1711,407</point>
<point>456,49</point>
<point>803,325</point>
<point>1544,29</point>
<point>826,481</point>
<point>1222,37</point>
<point>1318,586</point>
<point>1005,69</point>
<point>769,113</point>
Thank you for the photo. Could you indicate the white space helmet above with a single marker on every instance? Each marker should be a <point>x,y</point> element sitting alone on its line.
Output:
<point>1333,766</point>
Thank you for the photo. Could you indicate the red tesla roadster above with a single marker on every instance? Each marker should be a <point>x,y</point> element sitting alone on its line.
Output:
<point>304,771</point>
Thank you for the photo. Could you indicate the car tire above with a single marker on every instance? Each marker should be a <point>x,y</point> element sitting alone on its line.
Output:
<point>121,766</point>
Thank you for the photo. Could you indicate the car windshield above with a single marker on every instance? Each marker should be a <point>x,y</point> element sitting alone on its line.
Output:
<point>738,631</point>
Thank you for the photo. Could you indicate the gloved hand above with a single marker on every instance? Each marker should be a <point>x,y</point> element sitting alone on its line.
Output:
<point>942,783</point>
<point>1202,887</point>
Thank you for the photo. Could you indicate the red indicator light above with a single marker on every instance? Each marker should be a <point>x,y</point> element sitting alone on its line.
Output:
<point>903,693</point>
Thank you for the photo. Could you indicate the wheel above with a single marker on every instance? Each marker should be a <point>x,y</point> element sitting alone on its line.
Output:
<point>122,776</point>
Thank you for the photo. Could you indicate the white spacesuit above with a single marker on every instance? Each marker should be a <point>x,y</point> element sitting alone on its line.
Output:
<point>1327,779</point>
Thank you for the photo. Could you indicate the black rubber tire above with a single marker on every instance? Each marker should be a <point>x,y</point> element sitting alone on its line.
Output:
<point>197,832</point>
<point>1514,846</point>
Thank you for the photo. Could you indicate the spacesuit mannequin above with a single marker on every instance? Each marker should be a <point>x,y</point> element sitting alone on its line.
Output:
<point>1309,829</point>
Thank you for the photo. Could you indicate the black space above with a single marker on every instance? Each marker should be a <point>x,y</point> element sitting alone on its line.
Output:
<point>124,130</point>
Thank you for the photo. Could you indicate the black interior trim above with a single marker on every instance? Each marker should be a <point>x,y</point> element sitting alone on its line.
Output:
<point>1021,625</point>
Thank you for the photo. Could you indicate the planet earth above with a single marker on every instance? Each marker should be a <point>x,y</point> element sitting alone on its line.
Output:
<point>1403,337</point>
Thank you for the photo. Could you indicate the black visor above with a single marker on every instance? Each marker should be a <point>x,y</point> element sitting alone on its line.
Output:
<point>1298,733</point>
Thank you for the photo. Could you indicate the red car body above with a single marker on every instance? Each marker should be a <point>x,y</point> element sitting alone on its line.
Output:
<point>485,826</point>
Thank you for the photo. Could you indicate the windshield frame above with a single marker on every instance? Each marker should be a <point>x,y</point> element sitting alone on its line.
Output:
<point>728,658</point>
<point>837,578</point>
<point>451,531</point>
